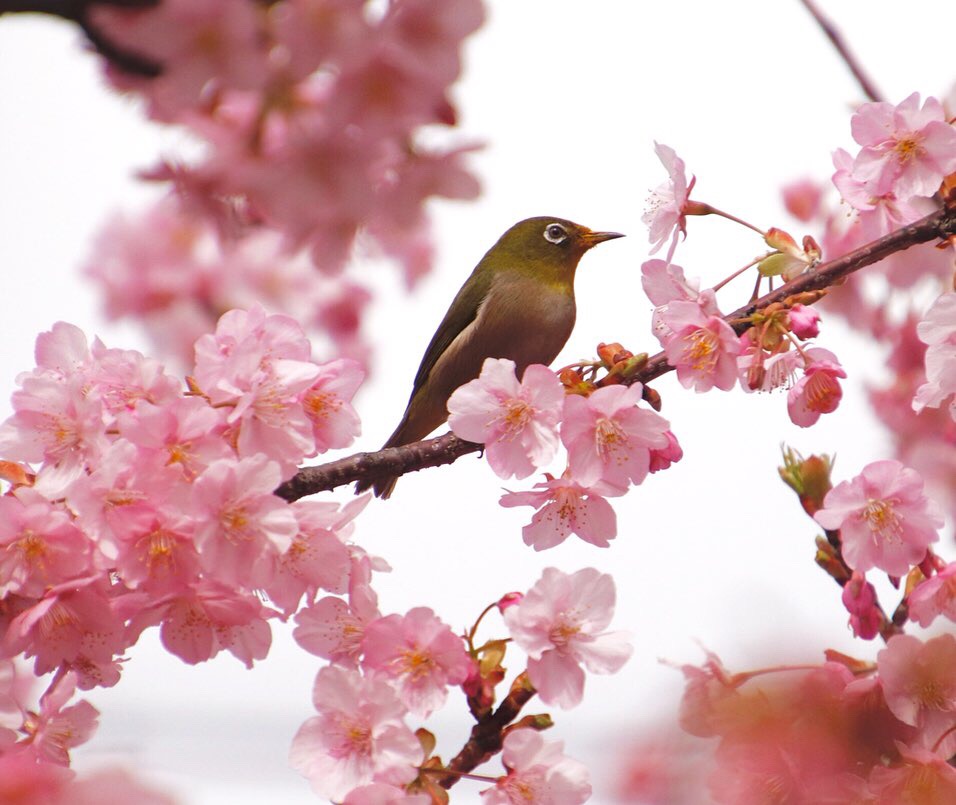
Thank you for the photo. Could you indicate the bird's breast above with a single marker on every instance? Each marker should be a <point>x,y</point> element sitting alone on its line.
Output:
<point>525,320</point>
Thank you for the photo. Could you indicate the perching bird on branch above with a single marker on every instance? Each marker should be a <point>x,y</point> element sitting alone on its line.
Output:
<point>518,303</point>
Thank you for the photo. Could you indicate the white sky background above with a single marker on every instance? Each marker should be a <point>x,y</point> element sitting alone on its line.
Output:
<point>569,97</point>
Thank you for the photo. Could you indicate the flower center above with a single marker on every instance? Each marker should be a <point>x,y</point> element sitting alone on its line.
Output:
<point>356,739</point>
<point>562,633</point>
<point>416,663</point>
<point>515,418</point>
<point>610,440</point>
<point>881,519</point>
<point>700,350</point>
<point>908,148</point>
<point>320,404</point>
<point>822,393</point>
<point>234,520</point>
<point>31,547</point>
<point>157,551</point>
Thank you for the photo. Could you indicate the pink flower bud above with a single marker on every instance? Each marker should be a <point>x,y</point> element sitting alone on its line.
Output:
<point>509,600</point>
<point>804,322</point>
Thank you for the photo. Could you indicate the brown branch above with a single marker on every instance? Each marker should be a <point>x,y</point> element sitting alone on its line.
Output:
<point>78,11</point>
<point>385,463</point>
<point>836,38</point>
<point>488,734</point>
<point>448,448</point>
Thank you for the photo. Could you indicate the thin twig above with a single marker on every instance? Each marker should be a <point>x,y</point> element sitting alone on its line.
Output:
<point>448,448</point>
<point>835,37</point>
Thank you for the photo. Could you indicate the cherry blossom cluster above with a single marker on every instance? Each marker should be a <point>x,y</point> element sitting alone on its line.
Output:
<point>844,731</point>
<point>697,339</point>
<point>177,273</point>
<point>309,113</point>
<point>903,168</point>
<point>383,669</point>
<point>138,501</point>
<point>612,443</point>
<point>847,730</point>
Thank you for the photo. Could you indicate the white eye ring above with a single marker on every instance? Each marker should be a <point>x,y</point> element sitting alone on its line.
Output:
<point>555,233</point>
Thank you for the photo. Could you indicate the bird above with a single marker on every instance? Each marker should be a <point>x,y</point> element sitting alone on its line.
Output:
<point>518,303</point>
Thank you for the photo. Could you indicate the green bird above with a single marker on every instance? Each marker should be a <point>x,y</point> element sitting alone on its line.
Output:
<point>518,303</point>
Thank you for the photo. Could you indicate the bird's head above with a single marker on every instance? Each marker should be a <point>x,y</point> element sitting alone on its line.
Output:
<point>550,247</point>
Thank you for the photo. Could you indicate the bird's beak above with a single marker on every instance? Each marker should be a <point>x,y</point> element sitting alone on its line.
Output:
<point>594,238</point>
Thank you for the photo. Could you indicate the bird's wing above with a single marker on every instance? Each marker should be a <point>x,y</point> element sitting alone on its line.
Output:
<point>462,312</point>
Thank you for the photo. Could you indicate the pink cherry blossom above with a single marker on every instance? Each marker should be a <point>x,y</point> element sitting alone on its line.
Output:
<point>566,507</point>
<point>516,422</point>
<point>318,557</point>
<point>196,624</point>
<point>62,350</point>
<point>703,349</point>
<point>885,520</point>
<point>665,283</point>
<point>328,404</point>
<point>709,690</point>
<point>124,379</point>
<point>933,597</point>
<point>57,422</point>
<point>922,777</point>
<point>538,772</point>
<point>664,215</point>
<point>859,598</point>
<point>609,437</point>
<point>241,527</point>
<point>186,433</point>
<point>803,198</point>
<point>938,330</point>
<point>76,625</point>
<point>57,728</point>
<point>121,494</point>
<point>260,366</point>
<point>158,555</point>
<point>359,735</point>
<point>420,654</point>
<point>818,391</point>
<point>760,370</point>
<point>906,149</point>
<point>560,625</point>
<point>39,545</point>
<point>919,684</point>
<point>202,45</point>
<point>334,629</point>
<point>23,781</point>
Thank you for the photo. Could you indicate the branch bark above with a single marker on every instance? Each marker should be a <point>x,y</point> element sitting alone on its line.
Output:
<point>449,448</point>
<point>78,11</point>
<point>487,736</point>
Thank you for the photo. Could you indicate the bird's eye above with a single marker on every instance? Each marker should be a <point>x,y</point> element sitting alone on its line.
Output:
<point>555,233</point>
